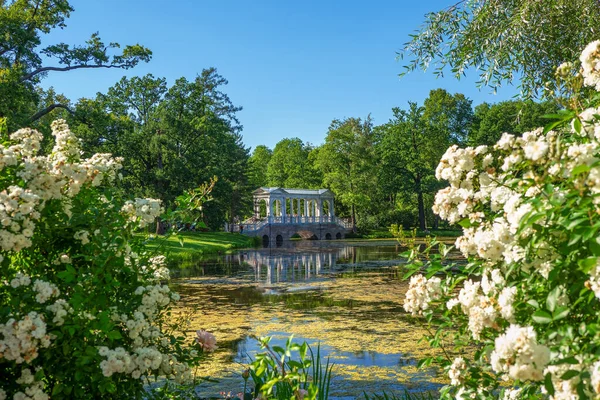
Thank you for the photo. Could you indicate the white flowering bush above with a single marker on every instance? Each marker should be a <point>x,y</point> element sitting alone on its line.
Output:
<point>519,319</point>
<point>84,311</point>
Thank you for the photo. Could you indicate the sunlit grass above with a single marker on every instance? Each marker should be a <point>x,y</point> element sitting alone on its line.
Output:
<point>187,245</point>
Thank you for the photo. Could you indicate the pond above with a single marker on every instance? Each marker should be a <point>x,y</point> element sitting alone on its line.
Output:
<point>345,296</point>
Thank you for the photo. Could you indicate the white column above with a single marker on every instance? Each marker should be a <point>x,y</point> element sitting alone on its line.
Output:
<point>305,208</point>
<point>283,209</point>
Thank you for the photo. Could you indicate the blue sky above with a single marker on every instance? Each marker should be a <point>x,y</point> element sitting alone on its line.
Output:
<point>292,66</point>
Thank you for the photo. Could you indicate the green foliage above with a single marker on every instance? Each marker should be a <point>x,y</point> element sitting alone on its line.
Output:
<point>189,205</point>
<point>412,143</point>
<point>492,120</point>
<point>347,161</point>
<point>85,310</point>
<point>23,23</point>
<point>524,308</point>
<point>291,167</point>
<point>172,139</point>
<point>259,164</point>
<point>404,396</point>
<point>277,375</point>
<point>504,40</point>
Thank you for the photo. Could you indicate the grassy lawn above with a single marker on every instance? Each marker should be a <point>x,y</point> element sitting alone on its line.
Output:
<point>197,243</point>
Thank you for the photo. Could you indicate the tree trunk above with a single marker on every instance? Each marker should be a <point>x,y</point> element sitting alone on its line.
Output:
<point>421,205</point>
<point>160,227</point>
<point>353,219</point>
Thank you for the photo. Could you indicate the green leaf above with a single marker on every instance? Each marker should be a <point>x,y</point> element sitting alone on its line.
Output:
<point>533,303</point>
<point>261,369</point>
<point>587,264</point>
<point>552,298</point>
<point>569,374</point>
<point>548,384</point>
<point>561,313</point>
<point>114,335</point>
<point>57,389</point>
<point>568,360</point>
<point>542,317</point>
<point>465,223</point>
<point>577,125</point>
<point>576,222</point>
<point>574,239</point>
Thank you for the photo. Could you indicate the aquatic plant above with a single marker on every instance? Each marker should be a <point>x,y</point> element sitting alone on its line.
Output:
<point>404,396</point>
<point>276,375</point>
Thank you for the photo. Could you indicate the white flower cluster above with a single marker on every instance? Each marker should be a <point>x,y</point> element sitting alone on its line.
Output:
<point>20,279</point>
<point>457,371</point>
<point>157,269</point>
<point>83,236</point>
<point>44,290</point>
<point>17,216</point>
<point>518,355</point>
<point>141,361</point>
<point>484,308</point>
<point>33,388</point>
<point>145,354</point>
<point>142,211</point>
<point>60,308</point>
<point>564,389</point>
<point>21,339</point>
<point>590,65</point>
<point>421,292</point>
<point>511,394</point>
<point>596,377</point>
<point>154,298</point>
<point>59,175</point>
<point>594,281</point>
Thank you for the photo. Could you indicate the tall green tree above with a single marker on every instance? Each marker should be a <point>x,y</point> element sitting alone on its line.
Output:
<point>412,143</point>
<point>504,40</point>
<point>492,120</point>
<point>348,163</point>
<point>23,64</point>
<point>259,164</point>
<point>172,139</point>
<point>290,166</point>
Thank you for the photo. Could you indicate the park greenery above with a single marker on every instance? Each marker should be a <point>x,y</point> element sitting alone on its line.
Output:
<point>85,305</point>
<point>527,300</point>
<point>174,139</point>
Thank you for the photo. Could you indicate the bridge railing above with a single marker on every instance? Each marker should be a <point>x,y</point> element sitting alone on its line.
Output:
<point>254,224</point>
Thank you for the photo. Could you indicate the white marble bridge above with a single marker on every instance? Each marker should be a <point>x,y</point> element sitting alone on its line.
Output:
<point>281,213</point>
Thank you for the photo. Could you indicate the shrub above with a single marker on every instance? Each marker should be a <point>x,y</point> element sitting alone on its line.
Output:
<point>527,302</point>
<point>84,311</point>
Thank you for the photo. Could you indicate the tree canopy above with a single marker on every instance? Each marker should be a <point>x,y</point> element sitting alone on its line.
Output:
<point>504,40</point>
<point>23,64</point>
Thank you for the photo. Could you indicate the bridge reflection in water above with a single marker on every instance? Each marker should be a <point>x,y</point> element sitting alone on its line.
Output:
<point>289,267</point>
<point>295,263</point>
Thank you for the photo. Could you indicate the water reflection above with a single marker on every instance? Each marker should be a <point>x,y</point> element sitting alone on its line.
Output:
<point>295,262</point>
<point>345,297</point>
